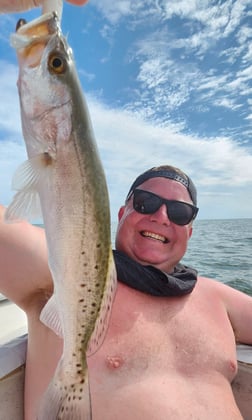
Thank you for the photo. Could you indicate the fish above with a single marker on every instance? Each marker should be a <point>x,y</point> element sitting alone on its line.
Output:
<point>63,178</point>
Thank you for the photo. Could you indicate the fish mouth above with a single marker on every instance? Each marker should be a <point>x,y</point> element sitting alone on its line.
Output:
<point>31,38</point>
<point>155,236</point>
<point>34,32</point>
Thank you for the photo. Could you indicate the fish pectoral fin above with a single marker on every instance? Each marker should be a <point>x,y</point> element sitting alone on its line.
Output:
<point>26,202</point>
<point>49,316</point>
<point>25,205</point>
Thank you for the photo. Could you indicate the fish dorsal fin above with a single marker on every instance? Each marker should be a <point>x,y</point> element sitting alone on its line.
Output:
<point>49,316</point>
<point>26,202</point>
<point>102,321</point>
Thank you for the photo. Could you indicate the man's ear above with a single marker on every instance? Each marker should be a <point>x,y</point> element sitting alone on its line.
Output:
<point>121,212</point>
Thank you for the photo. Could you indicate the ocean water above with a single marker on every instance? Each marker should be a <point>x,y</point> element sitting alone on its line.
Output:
<point>221,249</point>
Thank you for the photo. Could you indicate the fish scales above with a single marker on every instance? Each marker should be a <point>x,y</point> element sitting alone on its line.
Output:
<point>65,170</point>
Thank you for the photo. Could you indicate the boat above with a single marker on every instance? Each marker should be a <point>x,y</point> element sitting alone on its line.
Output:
<point>13,343</point>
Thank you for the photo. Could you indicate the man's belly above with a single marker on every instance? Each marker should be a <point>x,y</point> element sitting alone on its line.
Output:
<point>162,397</point>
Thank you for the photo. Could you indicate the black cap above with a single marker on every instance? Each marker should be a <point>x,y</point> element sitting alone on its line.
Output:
<point>166,171</point>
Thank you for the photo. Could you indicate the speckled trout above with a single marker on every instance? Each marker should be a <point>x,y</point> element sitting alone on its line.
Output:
<point>64,170</point>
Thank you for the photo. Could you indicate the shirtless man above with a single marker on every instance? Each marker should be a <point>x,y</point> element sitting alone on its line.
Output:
<point>163,357</point>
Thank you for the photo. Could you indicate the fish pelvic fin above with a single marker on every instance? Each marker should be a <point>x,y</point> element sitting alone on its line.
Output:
<point>26,179</point>
<point>63,401</point>
<point>50,316</point>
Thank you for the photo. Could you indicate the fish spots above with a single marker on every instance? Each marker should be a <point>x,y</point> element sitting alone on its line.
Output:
<point>68,409</point>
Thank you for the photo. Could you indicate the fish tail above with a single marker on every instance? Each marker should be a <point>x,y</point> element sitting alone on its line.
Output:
<point>66,402</point>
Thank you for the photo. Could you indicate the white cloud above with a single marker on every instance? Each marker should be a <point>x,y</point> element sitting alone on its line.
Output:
<point>113,11</point>
<point>246,73</point>
<point>216,18</point>
<point>138,10</point>
<point>227,102</point>
<point>129,145</point>
<point>248,55</point>
<point>168,61</point>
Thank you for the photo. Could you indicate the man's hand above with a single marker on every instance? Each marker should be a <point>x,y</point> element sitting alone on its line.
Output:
<point>7,6</point>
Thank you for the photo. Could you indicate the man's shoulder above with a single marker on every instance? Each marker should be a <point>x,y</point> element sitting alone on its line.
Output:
<point>212,285</point>
<point>216,285</point>
<point>211,282</point>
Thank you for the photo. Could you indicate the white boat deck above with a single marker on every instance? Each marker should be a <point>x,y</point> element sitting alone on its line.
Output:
<point>13,335</point>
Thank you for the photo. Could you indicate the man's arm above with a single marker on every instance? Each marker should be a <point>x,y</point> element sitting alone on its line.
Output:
<point>239,309</point>
<point>24,274</point>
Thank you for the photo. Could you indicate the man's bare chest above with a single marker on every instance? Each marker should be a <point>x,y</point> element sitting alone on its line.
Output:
<point>186,335</point>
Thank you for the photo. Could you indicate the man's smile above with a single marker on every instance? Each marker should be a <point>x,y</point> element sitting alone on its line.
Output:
<point>155,236</point>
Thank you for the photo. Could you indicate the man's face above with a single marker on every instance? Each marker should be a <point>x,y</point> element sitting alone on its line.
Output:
<point>152,238</point>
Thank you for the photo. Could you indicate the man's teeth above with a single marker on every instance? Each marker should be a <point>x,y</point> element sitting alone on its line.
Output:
<point>152,235</point>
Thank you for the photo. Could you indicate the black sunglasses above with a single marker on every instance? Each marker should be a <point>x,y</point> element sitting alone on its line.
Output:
<point>179,212</point>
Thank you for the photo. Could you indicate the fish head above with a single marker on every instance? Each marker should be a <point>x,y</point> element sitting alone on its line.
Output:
<point>45,63</point>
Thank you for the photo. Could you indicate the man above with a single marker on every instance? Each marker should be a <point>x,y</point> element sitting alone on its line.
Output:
<point>170,348</point>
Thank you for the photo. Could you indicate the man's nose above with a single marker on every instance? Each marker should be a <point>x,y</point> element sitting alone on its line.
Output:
<point>161,215</point>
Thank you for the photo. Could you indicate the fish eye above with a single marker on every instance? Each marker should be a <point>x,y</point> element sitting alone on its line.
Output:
<point>57,64</point>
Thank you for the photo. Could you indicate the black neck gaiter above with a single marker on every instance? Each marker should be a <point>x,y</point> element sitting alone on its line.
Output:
<point>151,280</point>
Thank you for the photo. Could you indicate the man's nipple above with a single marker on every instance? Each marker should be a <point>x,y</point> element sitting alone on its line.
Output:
<point>114,362</point>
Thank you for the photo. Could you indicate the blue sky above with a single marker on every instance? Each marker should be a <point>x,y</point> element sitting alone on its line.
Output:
<point>167,82</point>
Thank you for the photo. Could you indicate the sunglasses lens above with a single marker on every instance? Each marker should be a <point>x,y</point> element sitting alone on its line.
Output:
<point>178,212</point>
<point>145,202</point>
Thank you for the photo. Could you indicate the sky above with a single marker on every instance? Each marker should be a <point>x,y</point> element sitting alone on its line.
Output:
<point>166,82</point>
